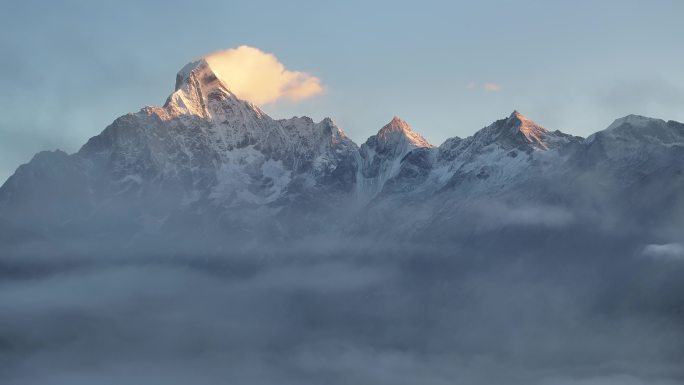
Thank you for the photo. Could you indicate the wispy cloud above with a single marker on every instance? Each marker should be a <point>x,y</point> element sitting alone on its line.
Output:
<point>492,87</point>
<point>487,87</point>
<point>664,252</point>
<point>260,77</point>
<point>493,216</point>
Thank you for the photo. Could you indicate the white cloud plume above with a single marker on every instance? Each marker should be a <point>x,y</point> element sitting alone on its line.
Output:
<point>260,77</point>
<point>664,252</point>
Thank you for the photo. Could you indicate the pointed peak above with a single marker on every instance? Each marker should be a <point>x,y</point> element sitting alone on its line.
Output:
<point>399,128</point>
<point>201,73</point>
<point>516,114</point>
<point>198,87</point>
<point>184,73</point>
<point>395,125</point>
<point>398,121</point>
<point>516,130</point>
<point>532,132</point>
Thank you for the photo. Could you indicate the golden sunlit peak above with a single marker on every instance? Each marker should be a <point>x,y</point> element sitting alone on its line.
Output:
<point>401,127</point>
<point>397,122</point>
<point>395,125</point>
<point>517,114</point>
<point>533,132</point>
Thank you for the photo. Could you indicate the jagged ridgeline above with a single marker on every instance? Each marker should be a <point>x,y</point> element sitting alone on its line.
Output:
<point>210,169</point>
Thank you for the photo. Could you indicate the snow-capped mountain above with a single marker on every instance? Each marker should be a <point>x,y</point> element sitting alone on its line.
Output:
<point>204,153</point>
<point>207,164</point>
<point>383,153</point>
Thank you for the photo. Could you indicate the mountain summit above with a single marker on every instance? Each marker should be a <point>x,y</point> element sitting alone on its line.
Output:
<point>533,133</point>
<point>519,132</point>
<point>200,92</point>
<point>399,130</point>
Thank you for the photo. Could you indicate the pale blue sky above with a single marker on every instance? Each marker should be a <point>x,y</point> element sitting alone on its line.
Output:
<point>69,68</point>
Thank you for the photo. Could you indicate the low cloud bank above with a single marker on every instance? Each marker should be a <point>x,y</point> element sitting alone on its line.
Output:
<point>418,316</point>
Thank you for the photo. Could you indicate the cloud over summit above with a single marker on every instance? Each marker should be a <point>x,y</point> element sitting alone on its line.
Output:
<point>260,77</point>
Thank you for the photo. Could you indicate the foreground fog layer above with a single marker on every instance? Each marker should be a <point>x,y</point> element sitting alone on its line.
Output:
<point>409,316</point>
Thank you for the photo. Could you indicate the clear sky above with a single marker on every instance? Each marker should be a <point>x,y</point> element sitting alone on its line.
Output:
<point>69,68</point>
